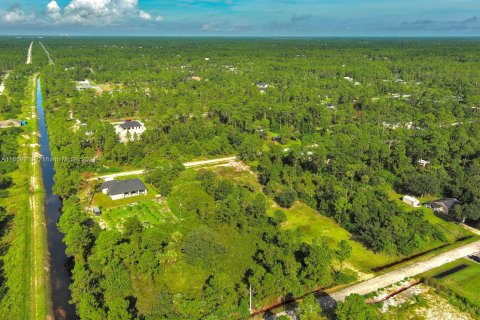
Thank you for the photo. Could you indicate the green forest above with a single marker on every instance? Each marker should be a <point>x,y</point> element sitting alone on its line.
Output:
<point>340,126</point>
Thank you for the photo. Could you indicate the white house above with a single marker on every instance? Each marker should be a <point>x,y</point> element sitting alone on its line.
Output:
<point>86,85</point>
<point>120,189</point>
<point>129,129</point>
<point>411,201</point>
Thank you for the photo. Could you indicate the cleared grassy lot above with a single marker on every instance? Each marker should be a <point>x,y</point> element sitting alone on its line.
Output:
<point>461,276</point>
<point>149,212</point>
<point>310,224</point>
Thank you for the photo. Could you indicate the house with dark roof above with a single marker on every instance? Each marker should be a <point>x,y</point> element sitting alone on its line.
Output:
<point>128,130</point>
<point>443,206</point>
<point>120,189</point>
<point>131,125</point>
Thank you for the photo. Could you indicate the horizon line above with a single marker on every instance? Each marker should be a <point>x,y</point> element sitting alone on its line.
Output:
<point>240,36</point>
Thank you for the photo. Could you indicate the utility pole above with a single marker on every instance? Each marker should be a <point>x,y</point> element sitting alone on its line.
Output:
<point>250,299</point>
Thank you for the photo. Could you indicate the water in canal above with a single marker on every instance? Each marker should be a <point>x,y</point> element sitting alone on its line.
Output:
<point>59,276</point>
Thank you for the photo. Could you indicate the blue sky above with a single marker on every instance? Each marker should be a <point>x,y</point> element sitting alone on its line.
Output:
<point>241,17</point>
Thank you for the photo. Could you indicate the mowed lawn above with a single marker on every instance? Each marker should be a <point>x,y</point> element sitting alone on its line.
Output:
<point>461,276</point>
<point>311,224</point>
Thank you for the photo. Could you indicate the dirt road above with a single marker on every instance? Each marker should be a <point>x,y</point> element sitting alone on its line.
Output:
<point>186,164</point>
<point>2,86</point>
<point>50,61</point>
<point>387,279</point>
<point>29,54</point>
<point>36,249</point>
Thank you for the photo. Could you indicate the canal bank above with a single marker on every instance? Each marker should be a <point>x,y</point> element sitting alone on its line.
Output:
<point>59,277</point>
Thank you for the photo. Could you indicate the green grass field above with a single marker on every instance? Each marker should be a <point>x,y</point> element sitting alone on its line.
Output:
<point>464,282</point>
<point>149,212</point>
<point>310,224</point>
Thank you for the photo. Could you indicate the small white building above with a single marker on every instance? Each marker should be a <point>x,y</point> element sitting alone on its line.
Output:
<point>411,201</point>
<point>85,83</point>
<point>423,163</point>
<point>120,189</point>
<point>262,85</point>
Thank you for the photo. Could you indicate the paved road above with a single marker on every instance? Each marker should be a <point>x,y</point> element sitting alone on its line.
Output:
<point>29,55</point>
<point>395,276</point>
<point>186,164</point>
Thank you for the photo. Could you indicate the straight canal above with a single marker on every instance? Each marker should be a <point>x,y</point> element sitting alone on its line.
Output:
<point>59,277</point>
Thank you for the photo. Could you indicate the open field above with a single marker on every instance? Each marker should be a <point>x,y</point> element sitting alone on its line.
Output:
<point>310,224</point>
<point>149,212</point>
<point>461,276</point>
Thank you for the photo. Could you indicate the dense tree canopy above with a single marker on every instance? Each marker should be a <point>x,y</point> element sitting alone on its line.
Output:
<point>340,125</point>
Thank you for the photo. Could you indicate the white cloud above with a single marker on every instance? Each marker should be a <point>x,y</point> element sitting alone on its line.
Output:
<point>15,15</point>
<point>159,18</point>
<point>53,10</point>
<point>144,15</point>
<point>97,12</point>
<point>211,26</point>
